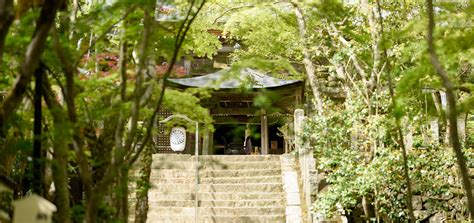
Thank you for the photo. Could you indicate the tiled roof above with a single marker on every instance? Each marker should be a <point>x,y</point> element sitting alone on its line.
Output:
<point>225,79</point>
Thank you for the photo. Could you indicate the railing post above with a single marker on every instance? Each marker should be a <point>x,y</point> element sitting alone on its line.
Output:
<point>305,157</point>
<point>196,183</point>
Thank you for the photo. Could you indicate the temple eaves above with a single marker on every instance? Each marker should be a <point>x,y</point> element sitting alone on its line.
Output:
<point>223,79</point>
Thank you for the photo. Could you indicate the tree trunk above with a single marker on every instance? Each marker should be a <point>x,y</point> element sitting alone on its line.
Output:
<point>141,208</point>
<point>308,64</point>
<point>376,42</point>
<point>369,209</point>
<point>92,208</point>
<point>38,167</point>
<point>6,19</point>
<point>60,155</point>
<point>451,111</point>
<point>122,195</point>
<point>30,64</point>
<point>401,141</point>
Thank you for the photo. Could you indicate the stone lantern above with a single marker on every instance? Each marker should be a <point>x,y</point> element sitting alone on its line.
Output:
<point>33,209</point>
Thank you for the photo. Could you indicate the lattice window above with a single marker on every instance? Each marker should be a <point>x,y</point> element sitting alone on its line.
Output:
<point>162,139</point>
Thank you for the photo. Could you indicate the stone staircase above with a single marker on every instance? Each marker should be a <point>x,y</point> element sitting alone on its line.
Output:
<point>231,189</point>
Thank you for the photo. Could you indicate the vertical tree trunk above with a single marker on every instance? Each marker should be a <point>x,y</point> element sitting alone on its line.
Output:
<point>6,19</point>
<point>92,207</point>
<point>376,42</point>
<point>451,111</point>
<point>122,198</point>
<point>308,64</point>
<point>60,155</point>
<point>401,141</point>
<point>38,161</point>
<point>60,176</point>
<point>143,184</point>
<point>369,209</point>
<point>32,57</point>
<point>141,208</point>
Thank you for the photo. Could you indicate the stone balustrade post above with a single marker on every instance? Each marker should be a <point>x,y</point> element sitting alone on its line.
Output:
<point>306,159</point>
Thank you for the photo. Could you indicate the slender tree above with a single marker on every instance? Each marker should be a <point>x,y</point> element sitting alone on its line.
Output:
<point>401,140</point>
<point>451,111</point>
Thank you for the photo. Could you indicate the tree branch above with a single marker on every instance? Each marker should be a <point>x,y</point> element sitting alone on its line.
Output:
<point>6,19</point>
<point>60,151</point>
<point>401,140</point>
<point>69,95</point>
<point>229,10</point>
<point>451,111</point>
<point>130,156</point>
<point>179,41</point>
<point>376,41</point>
<point>308,64</point>
<point>31,61</point>
<point>103,35</point>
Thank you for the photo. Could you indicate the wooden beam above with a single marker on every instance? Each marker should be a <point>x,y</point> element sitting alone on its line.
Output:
<point>264,131</point>
<point>236,120</point>
<point>233,111</point>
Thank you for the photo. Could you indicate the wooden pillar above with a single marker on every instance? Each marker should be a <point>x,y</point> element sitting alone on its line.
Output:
<point>264,131</point>
<point>206,138</point>
<point>211,143</point>
<point>298,99</point>
<point>205,142</point>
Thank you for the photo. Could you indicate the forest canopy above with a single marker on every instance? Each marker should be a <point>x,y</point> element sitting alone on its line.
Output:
<point>388,97</point>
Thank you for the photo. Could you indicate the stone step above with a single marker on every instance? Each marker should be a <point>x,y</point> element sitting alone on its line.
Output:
<point>245,158</point>
<point>219,180</point>
<point>226,158</point>
<point>180,180</point>
<point>217,165</point>
<point>217,219</point>
<point>221,203</point>
<point>235,188</point>
<point>164,173</point>
<point>172,157</point>
<point>241,180</point>
<point>239,211</point>
<point>215,196</point>
<point>240,173</point>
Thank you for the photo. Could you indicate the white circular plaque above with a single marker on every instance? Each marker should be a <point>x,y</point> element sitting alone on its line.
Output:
<point>178,139</point>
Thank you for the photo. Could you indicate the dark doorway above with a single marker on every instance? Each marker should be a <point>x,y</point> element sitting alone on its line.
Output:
<point>233,134</point>
<point>275,140</point>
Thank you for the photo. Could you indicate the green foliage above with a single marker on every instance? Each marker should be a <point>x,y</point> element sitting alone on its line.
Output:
<point>341,141</point>
<point>187,105</point>
<point>200,42</point>
<point>267,30</point>
<point>355,140</point>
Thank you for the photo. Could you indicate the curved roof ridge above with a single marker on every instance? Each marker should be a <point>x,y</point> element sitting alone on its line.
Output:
<point>218,79</point>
